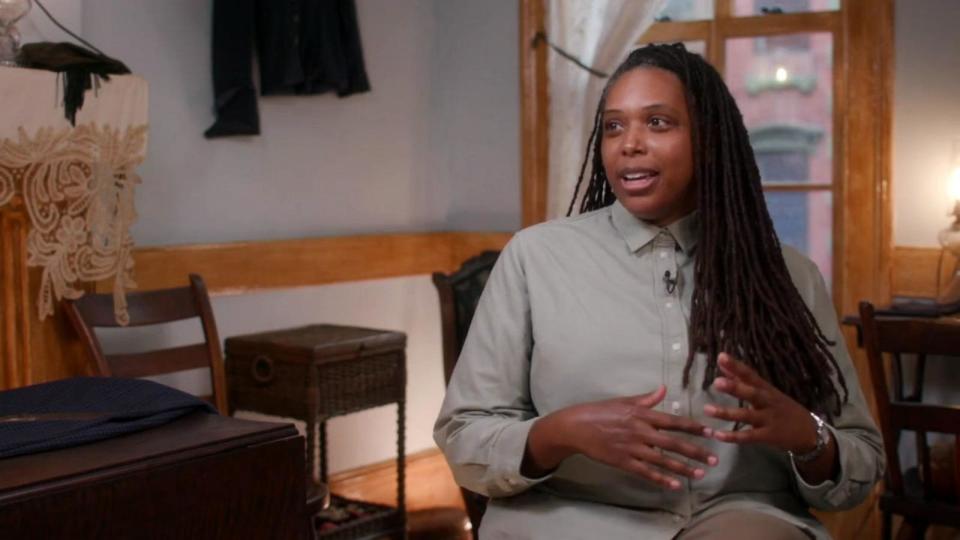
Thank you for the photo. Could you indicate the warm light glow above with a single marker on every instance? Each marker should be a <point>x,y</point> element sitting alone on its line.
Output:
<point>782,74</point>
<point>953,184</point>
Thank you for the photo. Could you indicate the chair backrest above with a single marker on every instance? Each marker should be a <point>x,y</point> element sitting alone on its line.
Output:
<point>887,339</point>
<point>459,294</point>
<point>147,308</point>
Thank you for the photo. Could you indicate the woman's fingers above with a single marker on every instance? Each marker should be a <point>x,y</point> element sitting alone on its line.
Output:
<point>682,447</point>
<point>743,436</point>
<point>652,399</point>
<point>734,414</point>
<point>653,474</point>
<point>741,390</point>
<point>674,422</point>
<point>668,463</point>
<point>735,369</point>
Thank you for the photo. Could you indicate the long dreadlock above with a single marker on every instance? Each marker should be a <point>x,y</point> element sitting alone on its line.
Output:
<point>744,301</point>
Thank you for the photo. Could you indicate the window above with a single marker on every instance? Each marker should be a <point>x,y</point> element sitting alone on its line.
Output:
<point>777,57</point>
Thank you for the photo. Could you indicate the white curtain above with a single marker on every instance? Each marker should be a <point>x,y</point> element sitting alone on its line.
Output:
<point>599,33</point>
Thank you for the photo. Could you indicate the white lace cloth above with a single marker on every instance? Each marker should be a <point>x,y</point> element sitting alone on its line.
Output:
<point>76,183</point>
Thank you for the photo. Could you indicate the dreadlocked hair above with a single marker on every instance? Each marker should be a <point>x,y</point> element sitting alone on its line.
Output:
<point>744,301</point>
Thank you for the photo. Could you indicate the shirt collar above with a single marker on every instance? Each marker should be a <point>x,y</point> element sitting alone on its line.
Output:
<point>639,233</point>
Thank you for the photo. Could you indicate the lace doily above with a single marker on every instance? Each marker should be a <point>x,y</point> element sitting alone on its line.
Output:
<point>77,185</point>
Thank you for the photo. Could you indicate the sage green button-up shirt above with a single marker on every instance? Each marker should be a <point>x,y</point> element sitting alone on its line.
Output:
<point>578,310</point>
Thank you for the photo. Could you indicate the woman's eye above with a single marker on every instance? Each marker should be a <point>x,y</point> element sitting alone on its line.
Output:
<point>612,125</point>
<point>657,122</point>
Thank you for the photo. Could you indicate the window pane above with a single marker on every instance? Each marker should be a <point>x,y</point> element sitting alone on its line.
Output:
<point>804,220</point>
<point>686,10</point>
<point>757,7</point>
<point>784,87</point>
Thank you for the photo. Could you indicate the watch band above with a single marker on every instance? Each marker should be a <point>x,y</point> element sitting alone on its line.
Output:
<point>823,439</point>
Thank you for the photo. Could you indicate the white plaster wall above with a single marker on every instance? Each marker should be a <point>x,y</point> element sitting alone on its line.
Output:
<point>36,26</point>
<point>434,145</point>
<point>926,117</point>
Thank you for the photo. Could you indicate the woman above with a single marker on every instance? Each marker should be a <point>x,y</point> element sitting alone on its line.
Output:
<point>658,366</point>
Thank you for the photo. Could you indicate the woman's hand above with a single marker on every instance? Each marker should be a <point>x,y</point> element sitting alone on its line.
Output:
<point>623,432</point>
<point>775,418</point>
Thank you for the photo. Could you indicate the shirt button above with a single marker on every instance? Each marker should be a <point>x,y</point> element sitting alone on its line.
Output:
<point>675,407</point>
<point>663,254</point>
<point>677,519</point>
<point>676,346</point>
<point>669,305</point>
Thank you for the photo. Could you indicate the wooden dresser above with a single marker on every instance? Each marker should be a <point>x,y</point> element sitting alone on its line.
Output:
<point>203,476</point>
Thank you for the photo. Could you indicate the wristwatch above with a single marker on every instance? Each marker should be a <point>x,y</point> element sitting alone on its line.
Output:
<point>823,439</point>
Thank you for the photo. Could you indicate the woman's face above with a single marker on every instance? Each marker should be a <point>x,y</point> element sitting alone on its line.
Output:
<point>646,145</point>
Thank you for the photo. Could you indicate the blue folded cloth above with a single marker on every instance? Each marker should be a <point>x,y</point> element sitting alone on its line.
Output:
<point>80,410</point>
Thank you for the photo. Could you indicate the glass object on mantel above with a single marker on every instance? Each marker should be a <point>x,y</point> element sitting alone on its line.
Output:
<point>11,11</point>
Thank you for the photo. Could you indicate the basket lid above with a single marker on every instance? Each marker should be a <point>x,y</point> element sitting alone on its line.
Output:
<point>319,342</point>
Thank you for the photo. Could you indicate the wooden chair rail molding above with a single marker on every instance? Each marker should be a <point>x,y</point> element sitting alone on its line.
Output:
<point>246,266</point>
<point>234,268</point>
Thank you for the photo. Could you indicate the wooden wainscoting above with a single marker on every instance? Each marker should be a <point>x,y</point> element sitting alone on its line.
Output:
<point>918,271</point>
<point>238,267</point>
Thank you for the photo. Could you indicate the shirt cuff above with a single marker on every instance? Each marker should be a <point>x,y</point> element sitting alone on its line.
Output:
<point>837,492</point>
<point>507,457</point>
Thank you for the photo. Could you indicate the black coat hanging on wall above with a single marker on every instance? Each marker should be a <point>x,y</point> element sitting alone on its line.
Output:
<point>303,47</point>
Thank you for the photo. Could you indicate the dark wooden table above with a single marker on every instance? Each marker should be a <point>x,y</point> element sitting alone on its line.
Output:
<point>903,307</point>
<point>201,476</point>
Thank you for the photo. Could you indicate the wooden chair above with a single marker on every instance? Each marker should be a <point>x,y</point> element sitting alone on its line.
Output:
<point>154,307</point>
<point>913,492</point>
<point>459,294</point>
<point>157,307</point>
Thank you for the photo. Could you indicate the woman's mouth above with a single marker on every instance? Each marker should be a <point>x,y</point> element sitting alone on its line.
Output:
<point>638,180</point>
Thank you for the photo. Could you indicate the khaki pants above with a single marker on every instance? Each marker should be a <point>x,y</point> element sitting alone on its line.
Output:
<point>742,525</point>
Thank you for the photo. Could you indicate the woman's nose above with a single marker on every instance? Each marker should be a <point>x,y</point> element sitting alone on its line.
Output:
<point>633,143</point>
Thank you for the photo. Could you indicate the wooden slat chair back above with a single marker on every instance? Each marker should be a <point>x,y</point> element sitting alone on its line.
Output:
<point>148,308</point>
<point>911,492</point>
<point>459,294</point>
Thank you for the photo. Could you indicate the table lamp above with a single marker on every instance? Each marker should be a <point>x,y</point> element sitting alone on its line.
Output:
<point>949,237</point>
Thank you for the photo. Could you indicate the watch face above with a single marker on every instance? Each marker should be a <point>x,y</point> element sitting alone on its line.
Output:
<point>823,434</point>
<point>823,439</point>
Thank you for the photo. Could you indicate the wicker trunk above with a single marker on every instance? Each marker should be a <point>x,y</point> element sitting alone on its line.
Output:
<point>316,372</point>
